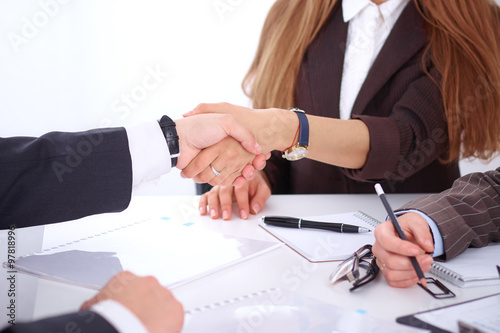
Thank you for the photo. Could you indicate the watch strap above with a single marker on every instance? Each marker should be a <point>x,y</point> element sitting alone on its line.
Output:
<point>167,126</point>
<point>304,128</point>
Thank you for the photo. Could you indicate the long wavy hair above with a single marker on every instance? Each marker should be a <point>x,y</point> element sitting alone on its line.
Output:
<point>464,45</point>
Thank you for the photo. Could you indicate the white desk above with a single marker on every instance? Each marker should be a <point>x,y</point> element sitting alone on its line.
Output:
<point>282,267</point>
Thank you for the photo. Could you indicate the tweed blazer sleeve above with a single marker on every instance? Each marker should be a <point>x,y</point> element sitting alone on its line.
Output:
<point>63,176</point>
<point>468,214</point>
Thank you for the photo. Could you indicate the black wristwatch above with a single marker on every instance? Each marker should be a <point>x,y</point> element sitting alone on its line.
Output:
<point>167,126</point>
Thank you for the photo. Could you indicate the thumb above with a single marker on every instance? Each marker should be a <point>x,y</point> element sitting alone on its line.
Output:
<point>239,132</point>
<point>202,108</point>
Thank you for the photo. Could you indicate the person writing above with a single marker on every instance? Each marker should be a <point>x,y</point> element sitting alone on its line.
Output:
<point>391,93</point>
<point>64,176</point>
<point>444,225</point>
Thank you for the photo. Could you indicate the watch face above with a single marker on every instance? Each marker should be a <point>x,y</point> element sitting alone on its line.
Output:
<point>296,154</point>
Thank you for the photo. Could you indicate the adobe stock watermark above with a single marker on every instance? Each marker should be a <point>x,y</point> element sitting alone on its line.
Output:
<point>223,7</point>
<point>31,25</point>
<point>484,89</point>
<point>132,99</point>
<point>11,275</point>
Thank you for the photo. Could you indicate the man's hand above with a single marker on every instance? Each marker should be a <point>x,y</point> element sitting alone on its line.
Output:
<point>153,304</point>
<point>202,131</point>
<point>393,253</point>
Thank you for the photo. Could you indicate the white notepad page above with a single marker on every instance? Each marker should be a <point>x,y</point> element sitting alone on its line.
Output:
<point>173,253</point>
<point>474,267</point>
<point>323,245</point>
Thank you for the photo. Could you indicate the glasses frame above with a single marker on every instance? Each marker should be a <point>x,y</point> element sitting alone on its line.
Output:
<point>363,257</point>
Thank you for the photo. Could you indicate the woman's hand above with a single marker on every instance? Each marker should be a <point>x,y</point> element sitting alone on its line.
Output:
<point>250,198</point>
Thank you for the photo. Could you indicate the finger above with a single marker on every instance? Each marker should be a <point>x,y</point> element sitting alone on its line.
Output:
<point>202,206</point>
<point>230,125</point>
<point>259,162</point>
<point>262,194</point>
<point>211,108</point>
<point>199,166</point>
<point>418,227</point>
<point>248,172</point>
<point>386,235</point>
<point>225,177</point>
<point>241,195</point>
<point>213,202</point>
<point>226,201</point>
<point>239,181</point>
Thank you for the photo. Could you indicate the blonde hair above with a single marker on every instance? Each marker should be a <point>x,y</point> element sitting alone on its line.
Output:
<point>464,47</point>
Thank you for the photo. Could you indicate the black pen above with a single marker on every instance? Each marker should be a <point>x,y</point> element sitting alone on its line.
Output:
<point>401,234</point>
<point>294,222</point>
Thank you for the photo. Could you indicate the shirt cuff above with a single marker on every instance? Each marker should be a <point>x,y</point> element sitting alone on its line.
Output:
<point>149,153</point>
<point>436,234</point>
<point>122,319</point>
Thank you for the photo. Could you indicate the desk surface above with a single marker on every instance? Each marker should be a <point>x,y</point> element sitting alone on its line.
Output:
<point>282,267</point>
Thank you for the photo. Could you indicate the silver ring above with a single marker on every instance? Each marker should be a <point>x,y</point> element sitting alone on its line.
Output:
<point>217,173</point>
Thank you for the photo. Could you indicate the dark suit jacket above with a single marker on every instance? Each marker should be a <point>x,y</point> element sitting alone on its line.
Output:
<point>468,214</point>
<point>401,105</point>
<point>60,177</point>
<point>63,176</point>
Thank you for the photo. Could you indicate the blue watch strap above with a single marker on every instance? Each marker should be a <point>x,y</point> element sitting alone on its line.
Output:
<point>304,128</point>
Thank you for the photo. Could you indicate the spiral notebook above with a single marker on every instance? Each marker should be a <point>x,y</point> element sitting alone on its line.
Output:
<point>174,253</point>
<point>474,267</point>
<point>277,310</point>
<point>321,245</point>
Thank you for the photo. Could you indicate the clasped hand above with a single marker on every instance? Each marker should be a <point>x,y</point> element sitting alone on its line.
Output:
<point>217,149</point>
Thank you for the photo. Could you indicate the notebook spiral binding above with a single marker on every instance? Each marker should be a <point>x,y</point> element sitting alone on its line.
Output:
<point>367,218</point>
<point>231,301</point>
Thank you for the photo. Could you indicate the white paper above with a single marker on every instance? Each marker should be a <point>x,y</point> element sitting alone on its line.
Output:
<point>173,253</point>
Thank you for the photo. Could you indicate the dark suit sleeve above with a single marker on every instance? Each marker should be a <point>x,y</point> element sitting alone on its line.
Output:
<point>468,214</point>
<point>411,137</point>
<point>82,322</point>
<point>63,176</point>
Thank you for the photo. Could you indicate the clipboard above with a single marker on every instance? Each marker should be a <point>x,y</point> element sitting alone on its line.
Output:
<point>454,313</point>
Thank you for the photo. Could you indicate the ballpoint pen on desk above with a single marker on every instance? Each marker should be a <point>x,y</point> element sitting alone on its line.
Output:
<point>400,232</point>
<point>294,222</point>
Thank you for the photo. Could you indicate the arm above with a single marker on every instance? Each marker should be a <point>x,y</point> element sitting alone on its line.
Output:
<point>468,214</point>
<point>40,175</point>
<point>143,298</point>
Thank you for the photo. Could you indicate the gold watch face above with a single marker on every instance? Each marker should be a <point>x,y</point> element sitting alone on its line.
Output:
<point>295,153</point>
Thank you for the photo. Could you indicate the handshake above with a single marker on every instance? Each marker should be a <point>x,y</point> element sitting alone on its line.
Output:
<point>215,146</point>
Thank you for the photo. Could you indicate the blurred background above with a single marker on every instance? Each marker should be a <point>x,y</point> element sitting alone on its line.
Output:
<point>71,65</point>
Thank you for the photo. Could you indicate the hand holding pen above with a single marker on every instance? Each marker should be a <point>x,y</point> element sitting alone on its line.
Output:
<point>393,249</point>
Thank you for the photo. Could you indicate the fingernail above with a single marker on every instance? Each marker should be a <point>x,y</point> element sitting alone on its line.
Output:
<point>256,208</point>
<point>262,165</point>
<point>251,174</point>
<point>188,113</point>
<point>243,214</point>
<point>202,211</point>
<point>182,175</point>
<point>212,213</point>
<point>225,215</point>
<point>257,147</point>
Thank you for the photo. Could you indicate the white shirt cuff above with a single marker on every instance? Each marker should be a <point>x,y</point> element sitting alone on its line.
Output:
<point>149,153</point>
<point>438,239</point>
<point>122,319</point>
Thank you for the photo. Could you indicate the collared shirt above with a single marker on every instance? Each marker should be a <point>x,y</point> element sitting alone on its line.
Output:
<point>352,9</point>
